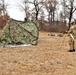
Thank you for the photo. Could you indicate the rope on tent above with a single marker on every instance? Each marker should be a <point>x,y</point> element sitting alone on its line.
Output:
<point>61,45</point>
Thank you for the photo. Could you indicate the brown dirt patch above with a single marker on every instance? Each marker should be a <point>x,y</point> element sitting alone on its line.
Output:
<point>49,57</point>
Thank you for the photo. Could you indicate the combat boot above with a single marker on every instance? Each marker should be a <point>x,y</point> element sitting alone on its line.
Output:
<point>71,50</point>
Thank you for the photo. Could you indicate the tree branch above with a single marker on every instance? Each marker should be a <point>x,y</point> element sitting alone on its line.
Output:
<point>74,10</point>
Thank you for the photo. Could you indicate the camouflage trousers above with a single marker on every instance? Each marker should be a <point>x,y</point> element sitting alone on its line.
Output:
<point>71,44</point>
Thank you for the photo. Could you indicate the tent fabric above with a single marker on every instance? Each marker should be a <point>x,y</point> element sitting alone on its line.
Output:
<point>20,32</point>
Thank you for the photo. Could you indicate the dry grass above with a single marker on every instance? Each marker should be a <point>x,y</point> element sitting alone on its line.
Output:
<point>49,57</point>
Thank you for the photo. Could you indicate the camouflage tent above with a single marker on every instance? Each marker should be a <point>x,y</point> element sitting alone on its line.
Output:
<point>19,32</point>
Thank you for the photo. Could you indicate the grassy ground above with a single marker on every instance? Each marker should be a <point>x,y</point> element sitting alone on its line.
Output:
<point>49,57</point>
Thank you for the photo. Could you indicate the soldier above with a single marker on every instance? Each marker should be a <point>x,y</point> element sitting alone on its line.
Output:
<point>72,34</point>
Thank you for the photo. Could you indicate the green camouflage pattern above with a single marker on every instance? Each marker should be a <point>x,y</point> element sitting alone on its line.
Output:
<point>20,32</point>
<point>71,44</point>
<point>72,31</point>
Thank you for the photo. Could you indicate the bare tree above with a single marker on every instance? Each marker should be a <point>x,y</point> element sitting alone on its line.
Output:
<point>51,8</point>
<point>37,6</point>
<point>42,17</point>
<point>25,8</point>
<point>72,10</point>
<point>63,13</point>
<point>69,9</point>
<point>3,7</point>
<point>0,9</point>
<point>61,16</point>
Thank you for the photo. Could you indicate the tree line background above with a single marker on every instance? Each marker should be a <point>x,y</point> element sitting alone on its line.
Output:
<point>51,14</point>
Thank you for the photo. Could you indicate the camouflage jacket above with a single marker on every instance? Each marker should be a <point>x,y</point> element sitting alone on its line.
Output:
<point>72,31</point>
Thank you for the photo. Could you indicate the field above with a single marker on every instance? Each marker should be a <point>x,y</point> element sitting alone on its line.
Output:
<point>49,57</point>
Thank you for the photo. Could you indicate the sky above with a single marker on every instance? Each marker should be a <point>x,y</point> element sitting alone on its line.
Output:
<point>14,11</point>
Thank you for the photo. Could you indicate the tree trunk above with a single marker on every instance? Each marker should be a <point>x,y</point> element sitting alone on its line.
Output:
<point>36,15</point>
<point>70,16</point>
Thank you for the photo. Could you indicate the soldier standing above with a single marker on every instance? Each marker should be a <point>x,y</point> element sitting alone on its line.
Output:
<point>72,34</point>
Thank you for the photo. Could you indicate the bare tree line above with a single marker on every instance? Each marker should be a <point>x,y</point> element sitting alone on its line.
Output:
<point>51,8</point>
<point>45,9</point>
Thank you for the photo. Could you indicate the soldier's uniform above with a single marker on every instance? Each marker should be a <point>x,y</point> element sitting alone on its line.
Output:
<point>72,34</point>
